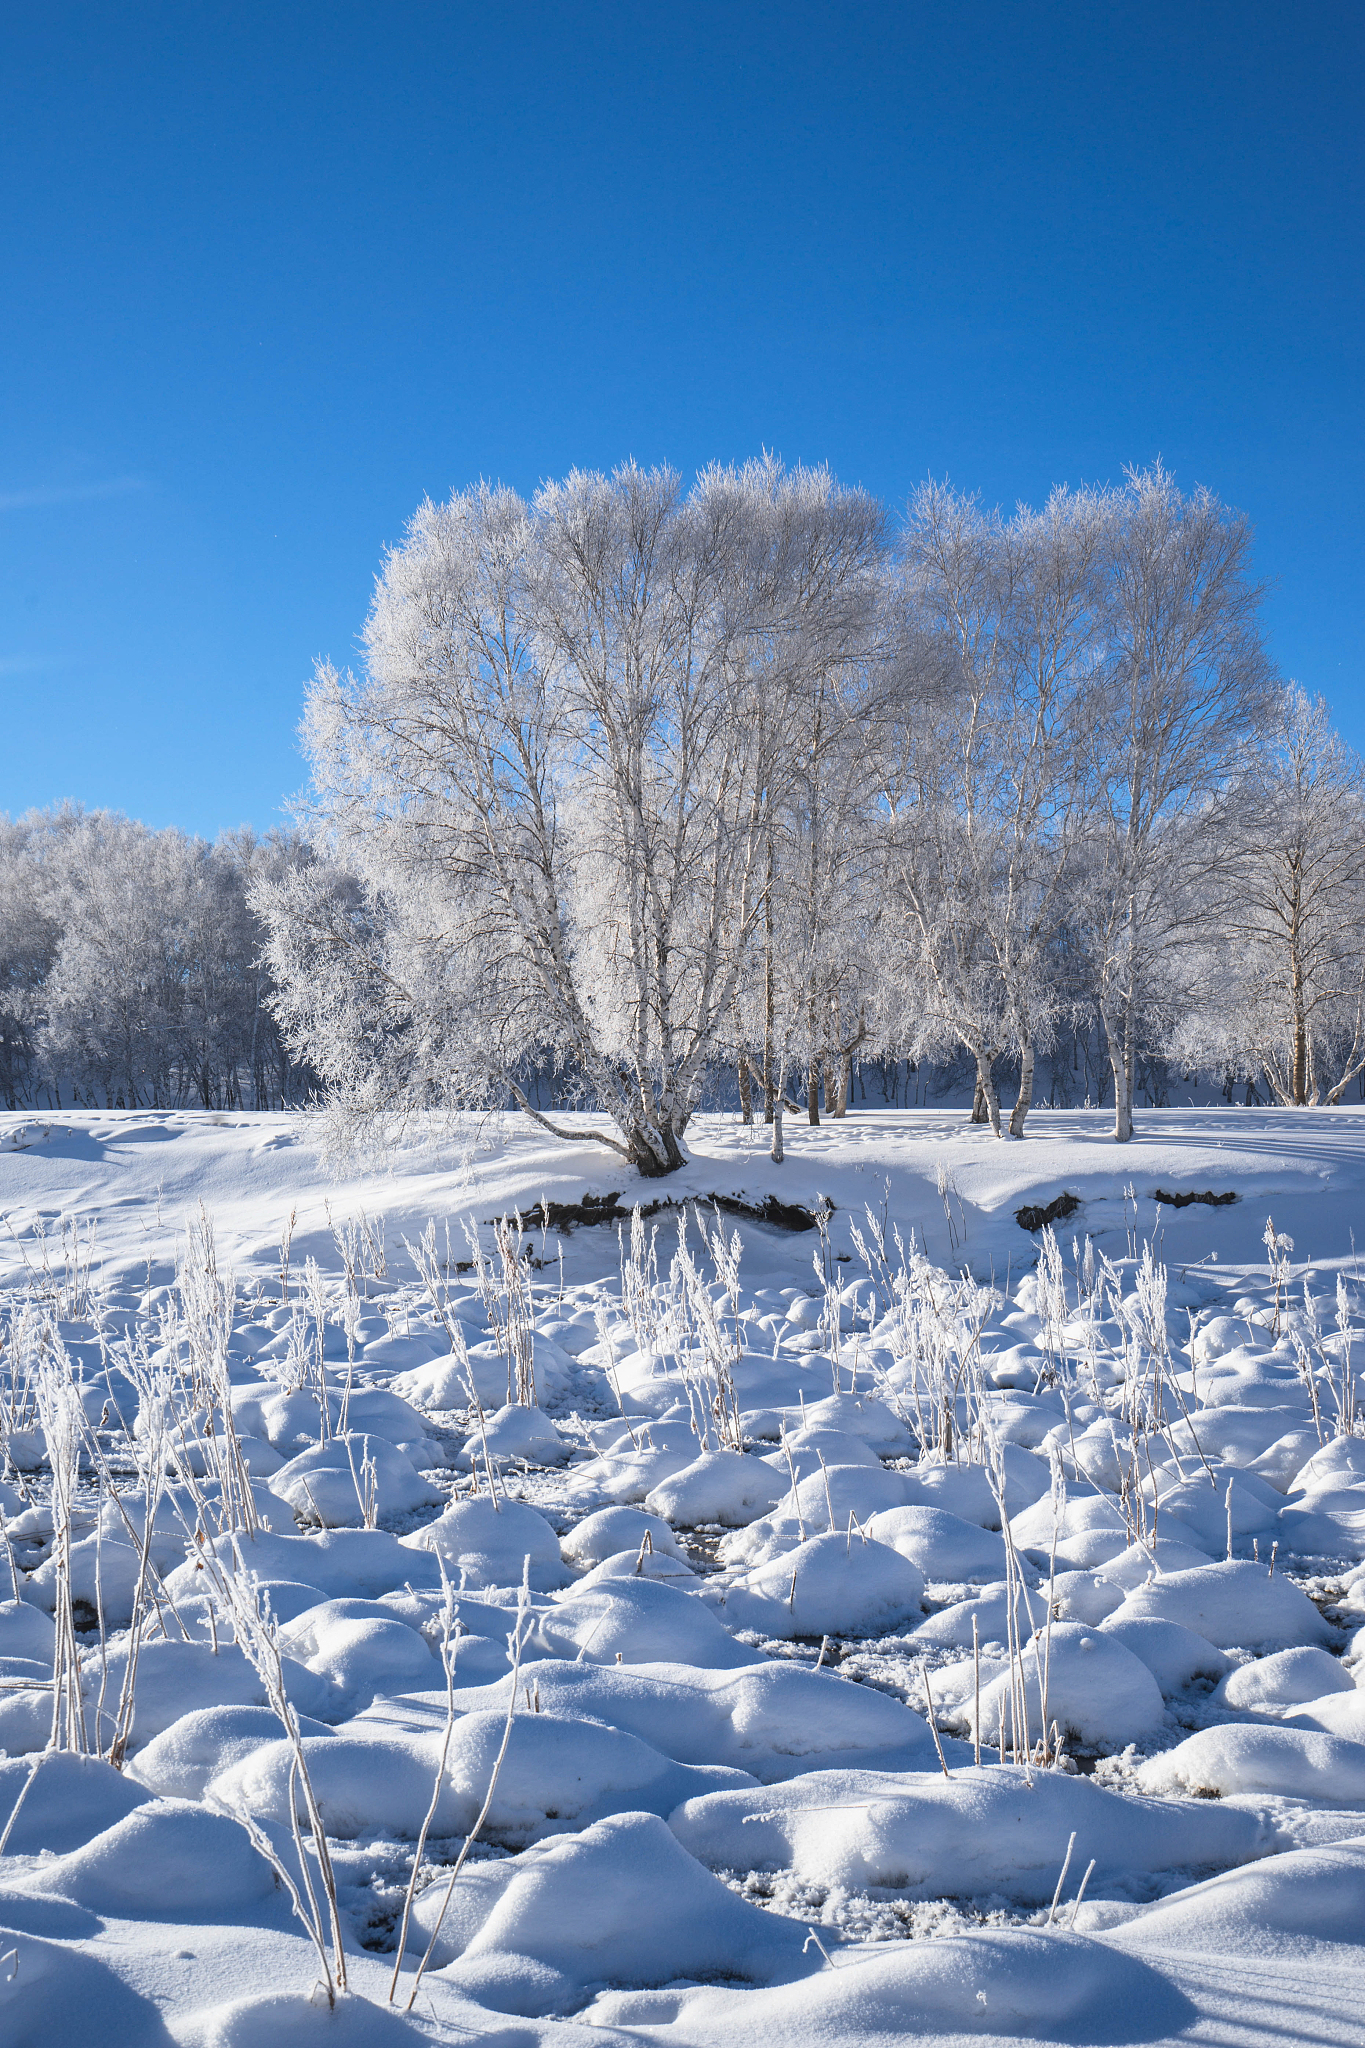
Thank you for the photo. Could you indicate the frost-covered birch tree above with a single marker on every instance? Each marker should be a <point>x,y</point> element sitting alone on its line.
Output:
<point>1283,999</point>
<point>987,793</point>
<point>555,784</point>
<point>817,952</point>
<point>1186,689</point>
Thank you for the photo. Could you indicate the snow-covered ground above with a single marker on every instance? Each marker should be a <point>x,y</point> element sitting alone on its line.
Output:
<point>921,1626</point>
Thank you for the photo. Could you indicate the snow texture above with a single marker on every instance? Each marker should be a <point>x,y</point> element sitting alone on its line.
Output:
<point>672,1637</point>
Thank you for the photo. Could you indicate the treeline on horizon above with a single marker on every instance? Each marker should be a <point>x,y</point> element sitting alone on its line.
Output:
<point>132,968</point>
<point>650,797</point>
<point>134,977</point>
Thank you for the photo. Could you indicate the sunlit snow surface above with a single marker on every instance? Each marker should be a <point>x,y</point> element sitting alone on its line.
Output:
<point>718,1735</point>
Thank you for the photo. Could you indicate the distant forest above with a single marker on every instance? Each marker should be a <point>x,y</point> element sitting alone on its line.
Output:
<point>132,972</point>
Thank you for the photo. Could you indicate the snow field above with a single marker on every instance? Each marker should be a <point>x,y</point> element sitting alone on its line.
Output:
<point>878,1586</point>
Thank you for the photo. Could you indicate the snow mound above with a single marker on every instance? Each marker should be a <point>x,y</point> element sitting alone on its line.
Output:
<point>439,1383</point>
<point>940,1544</point>
<point>1088,1531</point>
<point>621,1903</point>
<point>170,1861</point>
<point>634,1564</point>
<point>962,1490</point>
<point>67,1801</point>
<point>1336,1713</point>
<point>1241,1435</point>
<point>769,1719</point>
<point>338,1562</point>
<point>1319,1531</point>
<point>1020,1983</point>
<point>26,1632</point>
<point>830,1585</point>
<point>1292,1905</point>
<point>829,1501</point>
<point>489,1541</point>
<point>612,1530</point>
<point>998,1829</point>
<point>805,1450</point>
<point>951,1627</point>
<point>359,1648</point>
<point>1083,1596</point>
<point>1279,1461</point>
<point>638,1621</point>
<point>1338,1463</point>
<point>1144,1561</point>
<point>291,1419</point>
<point>335,1482</point>
<point>558,1772</point>
<point>175,1678</point>
<point>627,1472</point>
<point>1203,1510</point>
<point>60,1995</point>
<point>1296,1763</point>
<point>515,1432</point>
<point>1229,1604</point>
<point>288,1598</point>
<point>1224,1335</point>
<point>291,2019</point>
<point>1289,1678</point>
<point>1086,1680</point>
<point>863,1416</point>
<point>105,1568</point>
<point>172,1679</point>
<point>720,1486</point>
<point>180,1761</point>
<point>1174,1654</point>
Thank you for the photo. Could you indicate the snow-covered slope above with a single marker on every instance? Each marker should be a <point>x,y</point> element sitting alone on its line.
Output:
<point>144,1175</point>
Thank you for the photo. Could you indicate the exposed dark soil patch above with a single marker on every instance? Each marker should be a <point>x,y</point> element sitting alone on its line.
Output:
<point>567,1216</point>
<point>1208,1198</point>
<point>1033,1216</point>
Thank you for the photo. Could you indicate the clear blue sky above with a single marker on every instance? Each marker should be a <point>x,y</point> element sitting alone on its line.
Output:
<point>272,273</point>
